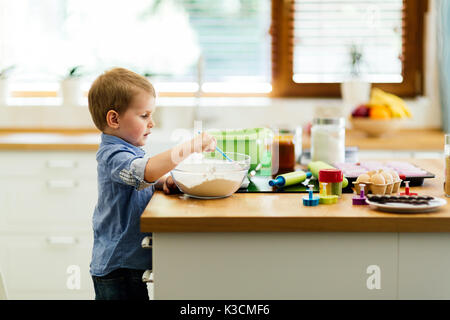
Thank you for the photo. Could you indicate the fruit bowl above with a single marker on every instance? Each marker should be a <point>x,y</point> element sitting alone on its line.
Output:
<point>210,176</point>
<point>375,127</point>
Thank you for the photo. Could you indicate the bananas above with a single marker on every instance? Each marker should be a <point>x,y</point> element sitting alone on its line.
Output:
<point>396,105</point>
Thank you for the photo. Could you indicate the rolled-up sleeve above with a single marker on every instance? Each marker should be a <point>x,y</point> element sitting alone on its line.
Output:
<point>129,169</point>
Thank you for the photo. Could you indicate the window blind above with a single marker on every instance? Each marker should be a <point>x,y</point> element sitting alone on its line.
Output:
<point>326,32</point>
<point>233,39</point>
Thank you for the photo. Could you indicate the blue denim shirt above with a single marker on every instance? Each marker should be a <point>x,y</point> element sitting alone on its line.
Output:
<point>123,195</point>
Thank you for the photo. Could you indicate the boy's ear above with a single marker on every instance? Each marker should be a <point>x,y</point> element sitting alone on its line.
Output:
<point>112,119</point>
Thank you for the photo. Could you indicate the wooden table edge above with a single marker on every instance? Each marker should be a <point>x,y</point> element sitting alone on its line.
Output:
<point>295,224</point>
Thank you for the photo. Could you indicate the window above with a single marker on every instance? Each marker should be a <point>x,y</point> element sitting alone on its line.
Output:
<point>313,42</point>
<point>229,47</point>
<point>225,45</point>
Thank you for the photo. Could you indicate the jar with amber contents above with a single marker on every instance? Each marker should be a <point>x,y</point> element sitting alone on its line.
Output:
<point>283,152</point>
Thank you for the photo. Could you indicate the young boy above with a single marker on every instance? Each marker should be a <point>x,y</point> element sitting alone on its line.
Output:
<point>121,104</point>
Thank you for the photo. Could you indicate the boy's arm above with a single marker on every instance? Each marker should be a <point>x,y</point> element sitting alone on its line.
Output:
<point>162,163</point>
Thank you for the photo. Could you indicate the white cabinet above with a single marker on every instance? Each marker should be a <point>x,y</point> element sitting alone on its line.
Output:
<point>424,264</point>
<point>277,265</point>
<point>50,203</point>
<point>303,265</point>
<point>47,199</point>
<point>47,267</point>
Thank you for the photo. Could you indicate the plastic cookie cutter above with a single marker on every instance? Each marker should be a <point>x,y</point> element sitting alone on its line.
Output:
<point>407,193</point>
<point>326,198</point>
<point>361,199</point>
<point>310,200</point>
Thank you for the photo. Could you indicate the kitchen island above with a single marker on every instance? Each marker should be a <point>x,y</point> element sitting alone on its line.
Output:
<point>269,246</point>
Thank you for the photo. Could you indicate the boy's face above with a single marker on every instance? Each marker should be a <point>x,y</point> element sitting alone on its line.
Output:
<point>135,123</point>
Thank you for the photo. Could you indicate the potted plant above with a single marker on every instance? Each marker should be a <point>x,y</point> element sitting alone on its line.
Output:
<point>71,87</point>
<point>4,84</point>
<point>154,77</point>
<point>150,76</point>
<point>356,89</point>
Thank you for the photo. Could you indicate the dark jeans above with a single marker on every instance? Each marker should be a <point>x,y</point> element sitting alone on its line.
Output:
<point>121,284</point>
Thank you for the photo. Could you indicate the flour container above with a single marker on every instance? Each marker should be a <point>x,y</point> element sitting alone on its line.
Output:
<point>328,140</point>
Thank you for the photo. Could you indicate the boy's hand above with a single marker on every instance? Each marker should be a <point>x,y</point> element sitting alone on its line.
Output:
<point>204,142</point>
<point>169,186</point>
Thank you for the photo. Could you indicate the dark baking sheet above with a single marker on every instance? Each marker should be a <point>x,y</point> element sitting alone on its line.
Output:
<point>260,184</point>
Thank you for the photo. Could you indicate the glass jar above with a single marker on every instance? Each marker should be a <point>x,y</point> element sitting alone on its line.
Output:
<point>286,150</point>
<point>447,165</point>
<point>328,140</point>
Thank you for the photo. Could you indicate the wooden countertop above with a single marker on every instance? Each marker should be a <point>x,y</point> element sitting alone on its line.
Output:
<point>406,140</point>
<point>262,212</point>
<point>89,139</point>
<point>49,139</point>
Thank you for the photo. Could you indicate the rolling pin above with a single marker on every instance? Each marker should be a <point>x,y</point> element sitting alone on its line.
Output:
<point>316,166</point>
<point>289,179</point>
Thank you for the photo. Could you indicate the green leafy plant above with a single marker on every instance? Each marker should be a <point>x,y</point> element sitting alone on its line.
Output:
<point>356,59</point>
<point>74,72</point>
<point>149,74</point>
<point>4,73</point>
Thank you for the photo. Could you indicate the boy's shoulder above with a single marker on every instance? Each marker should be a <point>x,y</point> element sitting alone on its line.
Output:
<point>111,145</point>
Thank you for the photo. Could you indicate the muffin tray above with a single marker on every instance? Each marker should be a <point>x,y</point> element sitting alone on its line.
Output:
<point>406,170</point>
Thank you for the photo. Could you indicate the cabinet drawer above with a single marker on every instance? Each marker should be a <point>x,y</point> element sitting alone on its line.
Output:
<point>29,163</point>
<point>47,267</point>
<point>424,262</point>
<point>40,201</point>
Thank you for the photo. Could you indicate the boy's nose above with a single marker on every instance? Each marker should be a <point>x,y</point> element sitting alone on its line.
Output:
<point>151,123</point>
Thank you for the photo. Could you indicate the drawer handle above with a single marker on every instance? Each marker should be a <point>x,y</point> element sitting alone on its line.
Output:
<point>147,242</point>
<point>147,276</point>
<point>62,164</point>
<point>62,240</point>
<point>62,184</point>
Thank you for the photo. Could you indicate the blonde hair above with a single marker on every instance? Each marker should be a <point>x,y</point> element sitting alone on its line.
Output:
<point>114,90</point>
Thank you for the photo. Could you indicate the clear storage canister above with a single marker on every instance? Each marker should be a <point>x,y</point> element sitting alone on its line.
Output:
<point>328,140</point>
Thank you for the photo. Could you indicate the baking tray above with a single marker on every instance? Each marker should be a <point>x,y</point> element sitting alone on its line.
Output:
<point>260,184</point>
<point>413,181</point>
